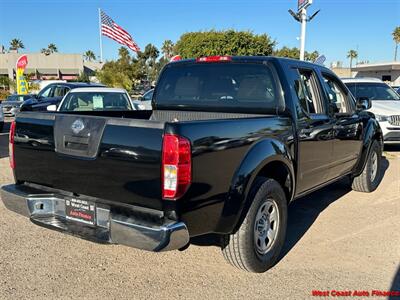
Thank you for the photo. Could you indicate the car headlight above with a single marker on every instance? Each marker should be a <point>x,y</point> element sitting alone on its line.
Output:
<point>381,118</point>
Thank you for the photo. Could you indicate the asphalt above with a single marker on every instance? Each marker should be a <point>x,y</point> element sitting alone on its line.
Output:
<point>338,240</point>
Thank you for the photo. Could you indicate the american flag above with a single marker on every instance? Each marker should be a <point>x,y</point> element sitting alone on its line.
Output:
<point>112,30</point>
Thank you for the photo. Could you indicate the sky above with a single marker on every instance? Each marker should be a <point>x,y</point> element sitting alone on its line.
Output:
<point>362,25</point>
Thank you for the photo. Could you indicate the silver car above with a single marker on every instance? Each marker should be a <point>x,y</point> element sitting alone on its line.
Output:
<point>12,104</point>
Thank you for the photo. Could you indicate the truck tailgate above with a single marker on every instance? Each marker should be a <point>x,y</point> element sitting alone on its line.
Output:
<point>114,159</point>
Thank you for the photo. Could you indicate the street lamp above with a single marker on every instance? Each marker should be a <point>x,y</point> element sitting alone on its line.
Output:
<point>301,17</point>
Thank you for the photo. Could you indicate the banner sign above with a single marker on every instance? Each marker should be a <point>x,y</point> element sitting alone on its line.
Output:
<point>303,4</point>
<point>22,84</point>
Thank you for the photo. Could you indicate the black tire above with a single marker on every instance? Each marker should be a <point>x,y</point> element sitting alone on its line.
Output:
<point>367,182</point>
<point>240,248</point>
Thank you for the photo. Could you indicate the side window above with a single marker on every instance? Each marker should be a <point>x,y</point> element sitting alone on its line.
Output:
<point>60,91</point>
<point>337,97</point>
<point>307,92</point>
<point>46,92</point>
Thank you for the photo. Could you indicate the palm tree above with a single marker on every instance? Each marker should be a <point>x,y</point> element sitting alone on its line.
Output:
<point>167,49</point>
<point>352,54</point>
<point>16,44</point>
<point>89,55</point>
<point>396,38</point>
<point>45,51</point>
<point>52,48</point>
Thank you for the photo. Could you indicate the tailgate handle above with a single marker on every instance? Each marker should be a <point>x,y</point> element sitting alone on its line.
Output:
<point>76,143</point>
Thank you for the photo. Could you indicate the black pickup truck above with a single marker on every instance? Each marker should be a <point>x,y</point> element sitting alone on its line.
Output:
<point>231,141</point>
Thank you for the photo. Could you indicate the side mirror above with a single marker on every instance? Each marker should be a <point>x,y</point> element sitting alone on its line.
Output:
<point>52,107</point>
<point>363,103</point>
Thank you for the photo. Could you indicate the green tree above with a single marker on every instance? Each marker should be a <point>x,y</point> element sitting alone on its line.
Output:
<point>120,73</point>
<point>396,38</point>
<point>295,53</point>
<point>89,55</point>
<point>167,49</point>
<point>45,51</point>
<point>352,54</point>
<point>16,44</point>
<point>4,82</point>
<point>52,48</point>
<point>225,42</point>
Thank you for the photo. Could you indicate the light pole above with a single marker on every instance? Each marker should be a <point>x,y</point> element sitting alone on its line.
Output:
<point>301,16</point>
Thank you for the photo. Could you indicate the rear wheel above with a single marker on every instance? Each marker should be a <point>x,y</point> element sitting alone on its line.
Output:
<point>369,179</point>
<point>256,246</point>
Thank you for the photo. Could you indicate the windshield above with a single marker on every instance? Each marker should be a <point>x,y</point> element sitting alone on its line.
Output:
<point>15,98</point>
<point>95,101</point>
<point>239,87</point>
<point>373,91</point>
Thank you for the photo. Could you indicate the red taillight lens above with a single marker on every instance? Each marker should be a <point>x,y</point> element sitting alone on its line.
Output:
<point>176,169</point>
<point>214,58</point>
<point>11,145</point>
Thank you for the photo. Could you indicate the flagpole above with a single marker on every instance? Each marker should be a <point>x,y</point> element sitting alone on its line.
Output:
<point>101,43</point>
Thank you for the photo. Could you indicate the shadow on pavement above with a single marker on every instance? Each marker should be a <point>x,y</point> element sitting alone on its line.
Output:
<point>395,284</point>
<point>304,211</point>
<point>4,140</point>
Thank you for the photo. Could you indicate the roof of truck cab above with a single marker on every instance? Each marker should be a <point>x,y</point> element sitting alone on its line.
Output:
<point>98,89</point>
<point>283,60</point>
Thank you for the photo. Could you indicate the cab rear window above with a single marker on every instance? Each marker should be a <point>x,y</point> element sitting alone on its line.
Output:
<point>241,87</point>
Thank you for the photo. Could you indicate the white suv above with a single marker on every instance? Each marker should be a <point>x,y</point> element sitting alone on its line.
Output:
<point>385,104</point>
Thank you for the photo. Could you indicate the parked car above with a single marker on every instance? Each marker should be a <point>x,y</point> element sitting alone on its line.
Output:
<point>231,142</point>
<point>12,103</point>
<point>52,94</point>
<point>385,104</point>
<point>94,99</point>
<point>1,117</point>
<point>144,102</point>
<point>398,90</point>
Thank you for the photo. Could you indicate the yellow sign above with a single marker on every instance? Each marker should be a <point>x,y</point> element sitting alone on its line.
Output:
<point>22,84</point>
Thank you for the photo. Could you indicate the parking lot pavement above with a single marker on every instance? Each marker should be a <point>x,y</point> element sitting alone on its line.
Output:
<point>338,240</point>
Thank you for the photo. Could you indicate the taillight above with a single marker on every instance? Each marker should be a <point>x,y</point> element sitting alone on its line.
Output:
<point>11,145</point>
<point>176,168</point>
<point>217,58</point>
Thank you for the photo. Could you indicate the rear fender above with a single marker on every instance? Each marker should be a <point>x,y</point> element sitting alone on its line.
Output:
<point>257,158</point>
<point>372,132</point>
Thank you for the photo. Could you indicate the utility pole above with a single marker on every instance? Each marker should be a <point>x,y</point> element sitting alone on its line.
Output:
<point>301,17</point>
<point>303,14</point>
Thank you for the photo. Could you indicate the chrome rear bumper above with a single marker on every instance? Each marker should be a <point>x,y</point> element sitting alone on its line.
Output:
<point>48,210</point>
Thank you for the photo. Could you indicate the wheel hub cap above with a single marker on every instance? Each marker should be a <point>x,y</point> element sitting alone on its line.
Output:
<point>266,226</point>
<point>374,166</point>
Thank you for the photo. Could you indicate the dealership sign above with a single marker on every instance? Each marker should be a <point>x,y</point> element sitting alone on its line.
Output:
<point>303,4</point>
<point>22,84</point>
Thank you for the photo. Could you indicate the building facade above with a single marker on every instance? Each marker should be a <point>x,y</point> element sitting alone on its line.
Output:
<point>53,66</point>
<point>388,72</point>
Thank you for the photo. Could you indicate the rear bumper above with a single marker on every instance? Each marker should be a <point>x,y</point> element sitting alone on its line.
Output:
<point>48,210</point>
